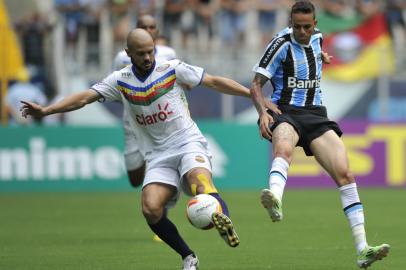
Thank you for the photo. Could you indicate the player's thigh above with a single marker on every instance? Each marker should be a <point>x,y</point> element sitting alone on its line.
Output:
<point>330,152</point>
<point>199,181</point>
<point>284,140</point>
<point>161,186</point>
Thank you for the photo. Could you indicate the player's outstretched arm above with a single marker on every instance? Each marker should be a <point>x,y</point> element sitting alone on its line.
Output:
<point>225,85</point>
<point>69,103</point>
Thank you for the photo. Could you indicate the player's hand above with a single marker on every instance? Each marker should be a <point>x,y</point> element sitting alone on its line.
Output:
<point>31,109</point>
<point>271,106</point>
<point>265,121</point>
<point>326,58</point>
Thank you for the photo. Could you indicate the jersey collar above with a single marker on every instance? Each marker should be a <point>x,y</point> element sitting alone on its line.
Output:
<point>139,76</point>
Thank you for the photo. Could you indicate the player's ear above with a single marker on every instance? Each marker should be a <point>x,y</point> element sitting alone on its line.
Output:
<point>315,22</point>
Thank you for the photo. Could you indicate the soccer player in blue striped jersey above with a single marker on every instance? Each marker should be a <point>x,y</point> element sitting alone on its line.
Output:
<point>293,63</point>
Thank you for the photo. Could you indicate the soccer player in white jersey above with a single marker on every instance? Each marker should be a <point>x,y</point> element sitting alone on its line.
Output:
<point>134,160</point>
<point>173,146</point>
<point>293,63</point>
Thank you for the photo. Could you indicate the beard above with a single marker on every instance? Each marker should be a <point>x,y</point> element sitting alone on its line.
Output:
<point>144,68</point>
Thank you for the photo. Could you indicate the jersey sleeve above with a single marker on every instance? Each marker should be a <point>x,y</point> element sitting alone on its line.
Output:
<point>108,88</point>
<point>188,74</point>
<point>272,58</point>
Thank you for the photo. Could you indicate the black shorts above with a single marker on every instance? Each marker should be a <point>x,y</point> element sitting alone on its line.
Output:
<point>310,122</point>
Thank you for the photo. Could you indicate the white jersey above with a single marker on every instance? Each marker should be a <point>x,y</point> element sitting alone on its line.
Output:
<point>162,54</point>
<point>133,157</point>
<point>156,104</point>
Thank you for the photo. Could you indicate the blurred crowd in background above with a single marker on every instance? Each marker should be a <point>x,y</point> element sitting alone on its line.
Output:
<point>64,40</point>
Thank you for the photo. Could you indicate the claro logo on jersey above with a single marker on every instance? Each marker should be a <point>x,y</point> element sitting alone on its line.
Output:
<point>295,83</point>
<point>150,119</point>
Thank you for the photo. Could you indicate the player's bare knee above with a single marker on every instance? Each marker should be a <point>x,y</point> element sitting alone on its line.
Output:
<point>152,211</point>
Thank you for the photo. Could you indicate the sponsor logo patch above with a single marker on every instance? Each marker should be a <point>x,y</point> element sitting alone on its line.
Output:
<point>200,159</point>
<point>293,82</point>
<point>271,50</point>
<point>150,119</point>
<point>162,68</point>
<point>126,74</point>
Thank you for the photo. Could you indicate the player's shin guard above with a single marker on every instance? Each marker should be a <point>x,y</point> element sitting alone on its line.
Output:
<point>355,214</point>
<point>168,232</point>
<point>222,203</point>
<point>278,176</point>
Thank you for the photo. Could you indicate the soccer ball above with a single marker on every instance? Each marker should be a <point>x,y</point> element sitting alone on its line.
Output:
<point>200,209</point>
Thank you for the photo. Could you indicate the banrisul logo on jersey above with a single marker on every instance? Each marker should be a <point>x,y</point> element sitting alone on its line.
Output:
<point>296,83</point>
<point>150,119</point>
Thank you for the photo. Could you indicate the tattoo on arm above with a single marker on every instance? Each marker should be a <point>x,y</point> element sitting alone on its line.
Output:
<point>256,92</point>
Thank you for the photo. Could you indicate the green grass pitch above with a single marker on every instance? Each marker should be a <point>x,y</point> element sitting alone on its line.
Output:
<point>99,230</point>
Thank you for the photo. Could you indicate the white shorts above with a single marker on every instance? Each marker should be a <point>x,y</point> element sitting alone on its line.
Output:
<point>132,155</point>
<point>170,167</point>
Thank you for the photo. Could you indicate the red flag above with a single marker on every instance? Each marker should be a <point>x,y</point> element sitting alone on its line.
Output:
<point>361,53</point>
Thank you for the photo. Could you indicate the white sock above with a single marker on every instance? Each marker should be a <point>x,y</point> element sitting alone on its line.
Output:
<point>278,176</point>
<point>355,214</point>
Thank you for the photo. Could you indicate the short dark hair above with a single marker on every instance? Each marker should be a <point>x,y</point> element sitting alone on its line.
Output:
<point>305,7</point>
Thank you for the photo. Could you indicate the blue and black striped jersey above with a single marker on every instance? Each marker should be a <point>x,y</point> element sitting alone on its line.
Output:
<point>293,69</point>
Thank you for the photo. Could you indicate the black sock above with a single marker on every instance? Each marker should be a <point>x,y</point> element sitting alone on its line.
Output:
<point>222,203</point>
<point>167,231</point>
